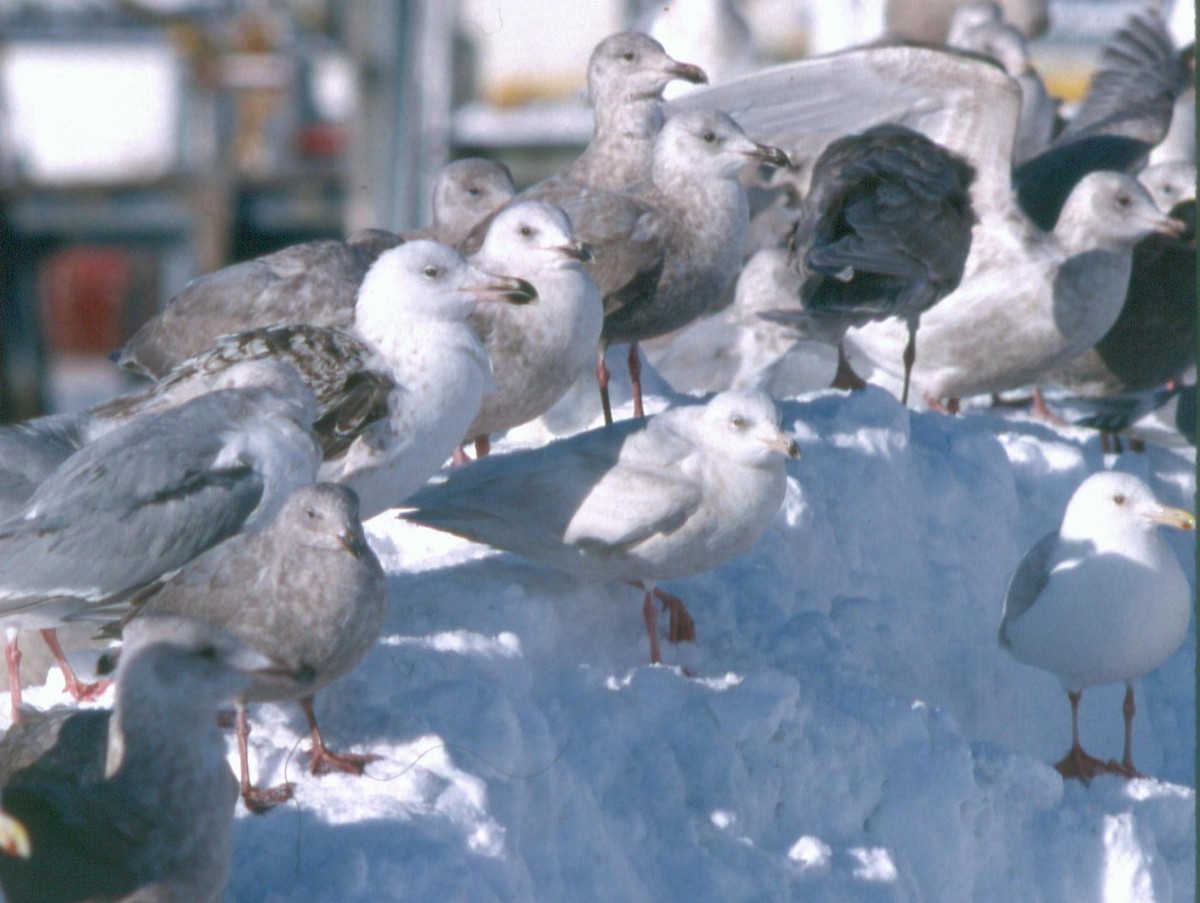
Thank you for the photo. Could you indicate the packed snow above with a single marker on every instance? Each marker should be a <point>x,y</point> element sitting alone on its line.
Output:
<point>845,727</point>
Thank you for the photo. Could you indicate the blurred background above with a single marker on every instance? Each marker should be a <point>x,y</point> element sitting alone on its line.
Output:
<point>144,142</point>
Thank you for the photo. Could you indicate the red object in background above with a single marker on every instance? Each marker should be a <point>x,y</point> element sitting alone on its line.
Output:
<point>82,295</point>
<point>321,140</point>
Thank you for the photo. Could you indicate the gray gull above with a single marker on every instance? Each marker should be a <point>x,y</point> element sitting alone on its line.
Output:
<point>667,248</point>
<point>136,804</point>
<point>314,282</point>
<point>306,591</point>
<point>1154,338</point>
<point>466,192</point>
<point>395,398</point>
<point>1100,600</point>
<point>642,501</point>
<point>143,500</point>
<point>539,350</point>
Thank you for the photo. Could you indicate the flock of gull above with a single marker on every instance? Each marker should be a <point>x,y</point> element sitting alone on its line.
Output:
<point>923,214</point>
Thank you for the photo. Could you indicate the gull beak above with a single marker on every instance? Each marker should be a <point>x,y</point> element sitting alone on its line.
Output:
<point>14,838</point>
<point>772,156</point>
<point>687,72</point>
<point>577,250</point>
<point>503,288</point>
<point>784,444</point>
<point>1171,227</point>
<point>1173,517</point>
<point>352,543</point>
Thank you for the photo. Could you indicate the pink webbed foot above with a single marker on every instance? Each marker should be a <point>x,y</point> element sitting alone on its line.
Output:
<point>1081,766</point>
<point>261,800</point>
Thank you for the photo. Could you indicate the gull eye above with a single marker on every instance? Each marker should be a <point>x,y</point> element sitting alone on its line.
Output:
<point>710,137</point>
<point>738,422</point>
<point>526,231</point>
<point>312,514</point>
<point>1124,200</point>
<point>474,192</point>
<point>1119,498</point>
<point>432,272</point>
<point>628,56</point>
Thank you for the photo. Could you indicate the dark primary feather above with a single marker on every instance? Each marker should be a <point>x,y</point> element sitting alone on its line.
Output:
<point>891,221</point>
<point>1126,112</point>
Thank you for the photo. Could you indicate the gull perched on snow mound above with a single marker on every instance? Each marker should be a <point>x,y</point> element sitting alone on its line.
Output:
<point>645,500</point>
<point>1100,600</point>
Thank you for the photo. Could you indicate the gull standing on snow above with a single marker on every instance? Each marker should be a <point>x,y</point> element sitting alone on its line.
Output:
<point>136,803</point>
<point>667,248</point>
<point>394,399</point>
<point>1100,600</point>
<point>143,500</point>
<point>539,350</point>
<point>641,501</point>
<point>306,591</point>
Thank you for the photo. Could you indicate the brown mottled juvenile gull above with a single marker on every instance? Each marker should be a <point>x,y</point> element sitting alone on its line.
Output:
<point>1100,600</point>
<point>667,248</point>
<point>642,501</point>
<point>537,350</point>
<point>306,591</point>
<point>314,282</point>
<point>143,500</point>
<point>395,398</point>
<point>137,803</point>
<point>466,191</point>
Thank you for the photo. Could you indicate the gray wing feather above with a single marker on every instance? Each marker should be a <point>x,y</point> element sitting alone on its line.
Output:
<point>1027,582</point>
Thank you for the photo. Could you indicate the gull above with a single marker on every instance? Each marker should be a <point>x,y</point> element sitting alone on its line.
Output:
<point>314,282</point>
<point>1018,279</point>
<point>395,398</point>
<point>466,191</point>
<point>306,591</point>
<point>141,501</point>
<point>537,351</point>
<point>1153,340</point>
<point>1100,600</point>
<point>885,233</point>
<point>667,248</point>
<point>136,803</point>
<point>626,76</point>
<point>642,501</point>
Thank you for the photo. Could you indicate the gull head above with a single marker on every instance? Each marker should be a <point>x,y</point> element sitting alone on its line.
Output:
<point>426,279</point>
<point>1117,210</point>
<point>709,144</point>
<point>533,232</point>
<point>744,427</point>
<point>1110,508</point>
<point>469,189</point>
<point>1170,183</point>
<point>633,66</point>
<point>324,516</point>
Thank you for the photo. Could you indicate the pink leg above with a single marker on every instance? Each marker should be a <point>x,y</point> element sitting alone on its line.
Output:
<point>1041,411</point>
<point>483,446</point>
<point>256,800</point>
<point>1129,710</point>
<point>12,659</point>
<point>602,381</point>
<point>79,690</point>
<point>459,458</point>
<point>635,379</point>
<point>651,618</point>
<point>934,404</point>
<point>324,760</point>
<point>682,628</point>
<point>1077,763</point>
